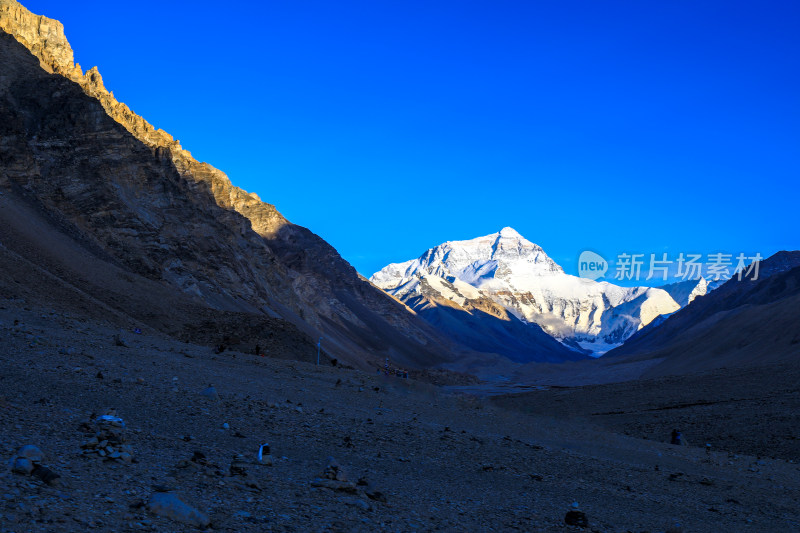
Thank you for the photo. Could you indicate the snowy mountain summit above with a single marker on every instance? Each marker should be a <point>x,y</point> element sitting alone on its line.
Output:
<point>498,260</point>
<point>516,274</point>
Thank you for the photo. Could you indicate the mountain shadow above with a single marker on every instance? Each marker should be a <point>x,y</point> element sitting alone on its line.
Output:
<point>102,221</point>
<point>745,322</point>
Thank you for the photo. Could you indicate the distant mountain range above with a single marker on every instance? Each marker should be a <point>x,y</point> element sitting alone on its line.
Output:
<point>741,323</point>
<point>505,277</point>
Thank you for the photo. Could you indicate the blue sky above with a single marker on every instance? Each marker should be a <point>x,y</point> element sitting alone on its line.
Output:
<point>390,127</point>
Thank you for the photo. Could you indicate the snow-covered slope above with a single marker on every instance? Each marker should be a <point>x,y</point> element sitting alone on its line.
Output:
<point>683,292</point>
<point>511,271</point>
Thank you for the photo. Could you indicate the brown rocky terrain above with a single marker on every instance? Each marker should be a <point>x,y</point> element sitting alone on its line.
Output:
<point>749,410</point>
<point>724,370</point>
<point>124,262</point>
<point>411,458</point>
<point>86,166</point>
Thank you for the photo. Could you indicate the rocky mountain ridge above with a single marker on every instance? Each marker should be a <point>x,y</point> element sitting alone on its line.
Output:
<point>128,193</point>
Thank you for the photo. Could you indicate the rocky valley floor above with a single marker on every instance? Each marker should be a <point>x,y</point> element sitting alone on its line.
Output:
<point>746,410</point>
<point>412,458</point>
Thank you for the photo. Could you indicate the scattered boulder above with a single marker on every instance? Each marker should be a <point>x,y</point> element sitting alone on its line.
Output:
<point>21,465</point>
<point>27,462</point>
<point>238,466</point>
<point>32,453</point>
<point>169,505</point>
<point>199,458</point>
<point>210,392</point>
<point>340,486</point>
<point>335,478</point>
<point>357,502</point>
<point>334,471</point>
<point>576,518</point>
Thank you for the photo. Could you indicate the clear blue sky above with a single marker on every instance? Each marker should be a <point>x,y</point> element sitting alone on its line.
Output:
<point>390,127</point>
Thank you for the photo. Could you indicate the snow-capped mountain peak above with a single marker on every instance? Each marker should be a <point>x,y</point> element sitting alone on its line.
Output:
<point>518,275</point>
<point>500,259</point>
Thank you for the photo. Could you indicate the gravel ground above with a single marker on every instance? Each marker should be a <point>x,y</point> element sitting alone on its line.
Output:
<point>745,410</point>
<point>413,458</point>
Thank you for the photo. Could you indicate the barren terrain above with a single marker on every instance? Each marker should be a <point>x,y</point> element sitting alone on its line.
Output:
<point>426,460</point>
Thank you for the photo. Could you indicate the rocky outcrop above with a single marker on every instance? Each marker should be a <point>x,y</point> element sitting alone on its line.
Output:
<point>45,39</point>
<point>129,193</point>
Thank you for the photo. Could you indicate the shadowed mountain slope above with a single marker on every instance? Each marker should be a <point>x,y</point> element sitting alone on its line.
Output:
<point>486,326</point>
<point>120,193</point>
<point>742,323</point>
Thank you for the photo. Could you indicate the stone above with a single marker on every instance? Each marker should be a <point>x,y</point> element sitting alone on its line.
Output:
<point>238,466</point>
<point>576,518</point>
<point>169,505</point>
<point>22,465</point>
<point>340,486</point>
<point>210,392</point>
<point>357,502</point>
<point>334,471</point>
<point>31,452</point>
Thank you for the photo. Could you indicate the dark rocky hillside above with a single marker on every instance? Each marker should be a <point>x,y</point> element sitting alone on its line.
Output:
<point>167,237</point>
<point>747,322</point>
